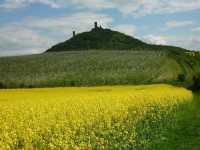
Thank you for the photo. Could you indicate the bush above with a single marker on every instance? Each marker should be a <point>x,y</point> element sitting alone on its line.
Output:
<point>2,86</point>
<point>181,77</point>
<point>30,86</point>
<point>22,85</point>
<point>196,80</point>
<point>72,83</point>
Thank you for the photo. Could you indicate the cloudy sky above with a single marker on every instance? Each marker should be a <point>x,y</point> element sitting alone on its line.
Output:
<point>32,26</point>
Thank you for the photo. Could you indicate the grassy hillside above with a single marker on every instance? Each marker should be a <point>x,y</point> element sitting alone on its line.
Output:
<point>87,68</point>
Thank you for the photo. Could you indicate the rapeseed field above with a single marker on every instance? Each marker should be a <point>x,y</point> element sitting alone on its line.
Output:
<point>107,117</point>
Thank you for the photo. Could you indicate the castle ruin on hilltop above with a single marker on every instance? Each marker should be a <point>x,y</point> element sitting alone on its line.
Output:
<point>95,26</point>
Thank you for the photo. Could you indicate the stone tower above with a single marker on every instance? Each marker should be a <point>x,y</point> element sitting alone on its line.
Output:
<point>95,25</point>
<point>74,33</point>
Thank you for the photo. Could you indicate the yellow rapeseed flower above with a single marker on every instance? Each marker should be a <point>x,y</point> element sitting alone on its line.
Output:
<point>107,117</point>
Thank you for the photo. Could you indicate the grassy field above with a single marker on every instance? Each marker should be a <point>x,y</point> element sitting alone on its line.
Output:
<point>184,132</point>
<point>106,117</point>
<point>87,68</point>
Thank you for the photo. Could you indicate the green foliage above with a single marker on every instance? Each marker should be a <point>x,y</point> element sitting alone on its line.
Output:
<point>106,39</point>
<point>30,86</point>
<point>196,79</point>
<point>2,86</point>
<point>72,83</point>
<point>181,77</point>
<point>99,38</point>
<point>86,68</point>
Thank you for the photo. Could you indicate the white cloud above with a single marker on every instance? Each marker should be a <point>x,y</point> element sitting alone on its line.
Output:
<point>14,4</point>
<point>65,25</point>
<point>176,24</point>
<point>196,30</point>
<point>15,40</point>
<point>126,28</point>
<point>154,39</point>
<point>137,8</point>
<point>191,42</point>
<point>35,35</point>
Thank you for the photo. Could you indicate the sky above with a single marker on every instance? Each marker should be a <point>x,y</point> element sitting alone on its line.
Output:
<point>33,26</point>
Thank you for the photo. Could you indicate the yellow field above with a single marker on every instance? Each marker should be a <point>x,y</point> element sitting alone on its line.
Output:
<point>86,117</point>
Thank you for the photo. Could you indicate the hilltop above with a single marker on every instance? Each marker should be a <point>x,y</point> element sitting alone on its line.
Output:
<point>107,39</point>
<point>99,39</point>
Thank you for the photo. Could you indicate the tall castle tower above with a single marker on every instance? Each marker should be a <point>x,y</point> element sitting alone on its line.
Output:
<point>95,25</point>
<point>74,34</point>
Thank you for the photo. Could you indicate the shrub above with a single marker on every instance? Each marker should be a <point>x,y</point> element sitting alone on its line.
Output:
<point>196,80</point>
<point>72,83</point>
<point>30,86</point>
<point>181,77</point>
<point>22,85</point>
<point>2,86</point>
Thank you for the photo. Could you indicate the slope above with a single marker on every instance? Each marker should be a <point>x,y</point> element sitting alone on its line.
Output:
<point>87,68</point>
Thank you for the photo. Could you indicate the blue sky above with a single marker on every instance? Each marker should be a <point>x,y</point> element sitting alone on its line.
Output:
<point>32,26</point>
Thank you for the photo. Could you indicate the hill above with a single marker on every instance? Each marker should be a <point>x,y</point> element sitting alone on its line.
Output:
<point>106,39</point>
<point>87,68</point>
<point>99,38</point>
